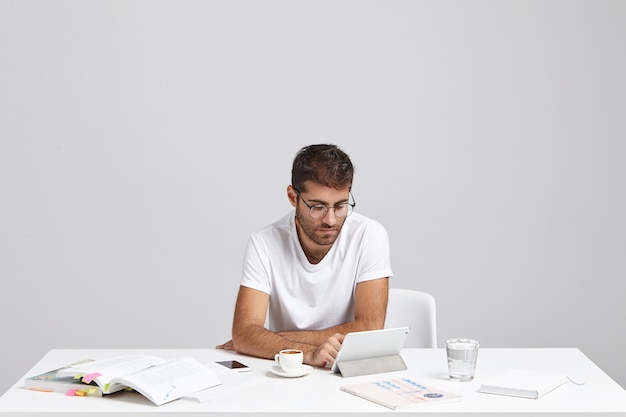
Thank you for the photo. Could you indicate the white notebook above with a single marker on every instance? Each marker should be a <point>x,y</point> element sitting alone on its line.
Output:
<point>522,383</point>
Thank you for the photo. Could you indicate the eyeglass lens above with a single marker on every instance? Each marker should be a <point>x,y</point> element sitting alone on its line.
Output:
<point>341,210</point>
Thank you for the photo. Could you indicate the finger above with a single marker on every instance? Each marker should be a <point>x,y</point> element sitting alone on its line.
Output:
<point>227,346</point>
<point>335,342</point>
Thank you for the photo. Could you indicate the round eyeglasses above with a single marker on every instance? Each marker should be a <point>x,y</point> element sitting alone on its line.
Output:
<point>318,211</point>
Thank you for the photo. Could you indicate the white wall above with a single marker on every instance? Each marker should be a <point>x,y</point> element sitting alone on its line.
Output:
<point>141,142</point>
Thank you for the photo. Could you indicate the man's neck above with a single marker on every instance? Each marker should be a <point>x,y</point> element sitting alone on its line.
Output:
<point>317,256</point>
<point>313,252</point>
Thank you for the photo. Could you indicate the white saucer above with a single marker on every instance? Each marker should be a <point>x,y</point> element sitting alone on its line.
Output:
<point>277,370</point>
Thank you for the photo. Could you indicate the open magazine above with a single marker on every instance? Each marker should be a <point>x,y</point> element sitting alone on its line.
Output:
<point>158,379</point>
<point>50,382</point>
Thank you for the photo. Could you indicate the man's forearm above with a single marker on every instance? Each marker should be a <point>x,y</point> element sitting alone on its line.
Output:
<point>317,337</point>
<point>257,341</point>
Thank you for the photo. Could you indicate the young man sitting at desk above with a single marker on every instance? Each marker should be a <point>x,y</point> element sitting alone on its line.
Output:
<point>321,270</point>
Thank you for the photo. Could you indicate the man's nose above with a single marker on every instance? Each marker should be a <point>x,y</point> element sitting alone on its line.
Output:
<point>330,218</point>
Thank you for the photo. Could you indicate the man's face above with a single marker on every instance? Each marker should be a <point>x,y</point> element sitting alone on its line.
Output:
<point>323,231</point>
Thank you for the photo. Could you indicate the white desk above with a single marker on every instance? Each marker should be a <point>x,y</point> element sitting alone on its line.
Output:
<point>319,392</point>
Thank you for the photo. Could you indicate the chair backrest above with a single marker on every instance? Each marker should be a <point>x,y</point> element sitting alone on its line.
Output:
<point>415,309</point>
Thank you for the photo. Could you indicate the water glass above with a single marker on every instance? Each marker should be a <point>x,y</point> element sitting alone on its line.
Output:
<point>462,355</point>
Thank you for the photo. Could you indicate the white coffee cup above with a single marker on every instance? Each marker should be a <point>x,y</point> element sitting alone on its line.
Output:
<point>290,360</point>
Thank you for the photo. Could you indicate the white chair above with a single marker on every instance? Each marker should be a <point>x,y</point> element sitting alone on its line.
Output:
<point>415,309</point>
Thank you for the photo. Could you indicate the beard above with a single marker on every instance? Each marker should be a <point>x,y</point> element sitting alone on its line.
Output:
<point>316,230</point>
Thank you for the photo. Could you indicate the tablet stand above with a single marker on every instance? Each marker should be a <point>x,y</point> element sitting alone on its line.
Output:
<point>371,366</point>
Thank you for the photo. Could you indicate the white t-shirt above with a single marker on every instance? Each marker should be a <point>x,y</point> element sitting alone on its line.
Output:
<point>312,297</point>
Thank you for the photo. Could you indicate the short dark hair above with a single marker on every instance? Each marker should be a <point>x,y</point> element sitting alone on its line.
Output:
<point>324,164</point>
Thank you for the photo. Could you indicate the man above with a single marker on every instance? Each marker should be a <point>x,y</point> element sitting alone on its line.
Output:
<point>321,270</point>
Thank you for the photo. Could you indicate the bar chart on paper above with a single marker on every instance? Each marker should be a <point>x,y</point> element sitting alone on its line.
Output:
<point>400,393</point>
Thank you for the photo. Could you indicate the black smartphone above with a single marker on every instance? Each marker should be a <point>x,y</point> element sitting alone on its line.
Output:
<point>235,366</point>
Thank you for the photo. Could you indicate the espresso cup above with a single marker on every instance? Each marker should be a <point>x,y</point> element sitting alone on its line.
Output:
<point>290,360</point>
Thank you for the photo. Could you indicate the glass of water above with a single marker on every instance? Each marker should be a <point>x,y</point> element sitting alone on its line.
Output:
<point>462,354</point>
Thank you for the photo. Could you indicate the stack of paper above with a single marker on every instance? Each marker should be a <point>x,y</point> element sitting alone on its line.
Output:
<point>521,383</point>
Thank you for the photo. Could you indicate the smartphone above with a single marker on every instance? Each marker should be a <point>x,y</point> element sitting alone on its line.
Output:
<point>235,366</point>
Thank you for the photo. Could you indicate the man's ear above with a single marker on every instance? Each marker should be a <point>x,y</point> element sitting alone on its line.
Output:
<point>292,195</point>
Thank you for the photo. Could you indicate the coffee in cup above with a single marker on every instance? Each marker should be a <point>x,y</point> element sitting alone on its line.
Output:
<point>290,360</point>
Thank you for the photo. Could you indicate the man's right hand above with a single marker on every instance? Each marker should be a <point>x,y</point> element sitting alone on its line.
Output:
<point>226,346</point>
<point>324,355</point>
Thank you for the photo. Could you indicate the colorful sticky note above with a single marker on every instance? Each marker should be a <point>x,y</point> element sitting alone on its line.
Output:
<point>71,393</point>
<point>80,393</point>
<point>90,377</point>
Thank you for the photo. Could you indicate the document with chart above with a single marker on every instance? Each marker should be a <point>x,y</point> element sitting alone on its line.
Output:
<point>400,393</point>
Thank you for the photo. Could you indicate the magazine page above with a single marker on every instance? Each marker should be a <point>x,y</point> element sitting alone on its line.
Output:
<point>171,380</point>
<point>102,371</point>
<point>231,382</point>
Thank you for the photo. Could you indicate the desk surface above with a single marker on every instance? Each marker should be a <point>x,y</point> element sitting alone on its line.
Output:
<point>318,392</point>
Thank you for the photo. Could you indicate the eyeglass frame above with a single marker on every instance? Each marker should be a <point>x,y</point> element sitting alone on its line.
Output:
<point>326,207</point>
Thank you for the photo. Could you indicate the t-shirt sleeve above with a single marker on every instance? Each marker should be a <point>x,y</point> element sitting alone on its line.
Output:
<point>254,274</point>
<point>375,261</point>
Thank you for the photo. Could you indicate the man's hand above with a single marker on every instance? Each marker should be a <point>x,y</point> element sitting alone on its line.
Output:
<point>324,355</point>
<point>226,346</point>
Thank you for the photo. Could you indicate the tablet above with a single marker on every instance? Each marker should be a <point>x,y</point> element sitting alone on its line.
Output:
<point>371,344</point>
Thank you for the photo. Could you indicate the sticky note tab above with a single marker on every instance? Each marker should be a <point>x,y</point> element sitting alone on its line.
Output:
<point>91,391</point>
<point>90,377</point>
<point>71,393</point>
<point>80,393</point>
